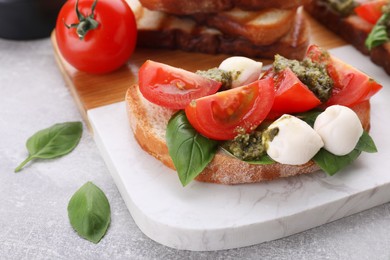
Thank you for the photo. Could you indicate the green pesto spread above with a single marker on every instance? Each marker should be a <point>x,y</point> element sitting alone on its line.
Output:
<point>247,147</point>
<point>225,77</point>
<point>251,146</point>
<point>343,7</point>
<point>313,75</point>
<point>269,135</point>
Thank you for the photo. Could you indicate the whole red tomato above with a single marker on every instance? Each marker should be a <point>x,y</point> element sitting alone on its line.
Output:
<point>96,36</point>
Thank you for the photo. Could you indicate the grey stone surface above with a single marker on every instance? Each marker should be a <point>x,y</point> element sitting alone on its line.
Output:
<point>33,202</point>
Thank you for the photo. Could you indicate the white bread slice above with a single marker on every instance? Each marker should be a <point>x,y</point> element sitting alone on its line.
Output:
<point>215,6</point>
<point>161,30</point>
<point>148,122</point>
<point>260,27</point>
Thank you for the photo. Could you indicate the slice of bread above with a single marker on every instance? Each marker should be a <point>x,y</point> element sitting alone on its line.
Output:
<point>260,27</point>
<point>215,6</point>
<point>148,122</point>
<point>352,29</point>
<point>160,30</point>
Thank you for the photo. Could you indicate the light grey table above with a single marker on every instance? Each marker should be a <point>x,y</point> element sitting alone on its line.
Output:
<point>33,203</point>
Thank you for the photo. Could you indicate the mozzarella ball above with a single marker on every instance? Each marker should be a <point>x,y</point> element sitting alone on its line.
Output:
<point>339,128</point>
<point>295,141</point>
<point>244,70</point>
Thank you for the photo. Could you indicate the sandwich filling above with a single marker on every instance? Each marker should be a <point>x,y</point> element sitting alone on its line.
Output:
<point>313,74</point>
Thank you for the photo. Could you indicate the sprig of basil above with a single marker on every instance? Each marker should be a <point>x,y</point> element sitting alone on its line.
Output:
<point>378,34</point>
<point>331,164</point>
<point>52,142</point>
<point>89,212</point>
<point>190,151</point>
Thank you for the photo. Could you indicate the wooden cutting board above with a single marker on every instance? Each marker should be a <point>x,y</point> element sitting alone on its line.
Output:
<point>91,91</point>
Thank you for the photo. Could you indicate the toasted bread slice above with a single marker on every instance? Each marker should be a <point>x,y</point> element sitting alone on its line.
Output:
<point>352,29</point>
<point>160,30</point>
<point>260,27</point>
<point>148,122</point>
<point>215,6</point>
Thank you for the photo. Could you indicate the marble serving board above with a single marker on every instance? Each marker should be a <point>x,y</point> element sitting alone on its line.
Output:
<point>205,217</point>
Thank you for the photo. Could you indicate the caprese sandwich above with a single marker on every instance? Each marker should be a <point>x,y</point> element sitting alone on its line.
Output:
<point>238,124</point>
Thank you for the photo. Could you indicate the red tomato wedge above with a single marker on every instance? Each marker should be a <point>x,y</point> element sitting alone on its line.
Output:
<point>351,86</point>
<point>292,96</point>
<point>370,11</point>
<point>172,87</point>
<point>218,116</point>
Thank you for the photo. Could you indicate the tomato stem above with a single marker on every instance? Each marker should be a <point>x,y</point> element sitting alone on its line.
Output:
<point>86,23</point>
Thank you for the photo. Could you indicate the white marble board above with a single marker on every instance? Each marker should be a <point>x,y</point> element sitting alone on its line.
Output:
<point>204,217</point>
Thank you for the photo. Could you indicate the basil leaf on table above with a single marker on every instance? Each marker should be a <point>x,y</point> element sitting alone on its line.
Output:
<point>89,212</point>
<point>52,142</point>
<point>190,151</point>
<point>331,163</point>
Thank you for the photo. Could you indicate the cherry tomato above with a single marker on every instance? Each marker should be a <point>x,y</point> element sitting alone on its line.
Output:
<point>104,48</point>
<point>292,96</point>
<point>370,11</point>
<point>220,115</point>
<point>351,86</point>
<point>172,87</point>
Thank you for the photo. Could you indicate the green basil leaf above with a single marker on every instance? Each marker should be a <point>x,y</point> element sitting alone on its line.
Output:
<point>190,151</point>
<point>331,163</point>
<point>310,116</point>
<point>265,159</point>
<point>366,144</point>
<point>52,142</point>
<point>89,212</point>
<point>378,34</point>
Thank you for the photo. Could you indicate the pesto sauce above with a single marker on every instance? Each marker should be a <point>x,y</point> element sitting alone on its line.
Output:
<point>343,7</point>
<point>225,77</point>
<point>247,147</point>
<point>313,75</point>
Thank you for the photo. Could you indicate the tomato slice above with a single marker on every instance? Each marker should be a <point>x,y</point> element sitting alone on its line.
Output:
<point>351,86</point>
<point>292,96</point>
<point>370,11</point>
<point>172,87</point>
<point>220,115</point>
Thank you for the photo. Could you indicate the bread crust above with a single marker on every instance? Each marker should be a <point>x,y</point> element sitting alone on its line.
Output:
<point>215,6</point>
<point>224,168</point>
<point>352,29</point>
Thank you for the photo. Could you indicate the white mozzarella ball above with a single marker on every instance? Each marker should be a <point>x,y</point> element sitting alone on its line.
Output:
<point>244,70</point>
<point>295,143</point>
<point>339,128</point>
